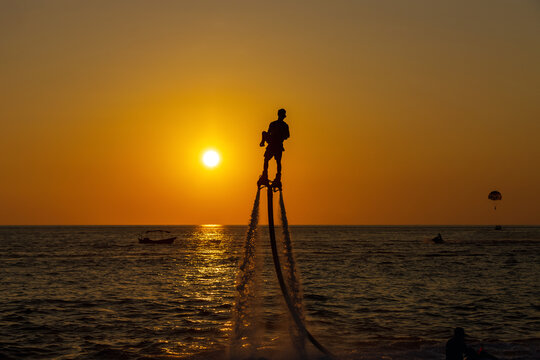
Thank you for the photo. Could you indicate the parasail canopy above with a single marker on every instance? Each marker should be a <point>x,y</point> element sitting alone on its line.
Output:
<point>495,195</point>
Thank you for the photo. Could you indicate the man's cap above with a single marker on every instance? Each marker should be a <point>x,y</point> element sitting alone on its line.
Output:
<point>459,332</point>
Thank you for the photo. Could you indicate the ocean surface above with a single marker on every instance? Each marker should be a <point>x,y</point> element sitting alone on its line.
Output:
<point>369,292</point>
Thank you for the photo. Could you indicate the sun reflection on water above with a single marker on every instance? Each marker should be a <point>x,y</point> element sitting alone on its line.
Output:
<point>209,277</point>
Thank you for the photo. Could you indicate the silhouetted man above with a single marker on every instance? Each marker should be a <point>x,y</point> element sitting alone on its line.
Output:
<point>456,348</point>
<point>278,131</point>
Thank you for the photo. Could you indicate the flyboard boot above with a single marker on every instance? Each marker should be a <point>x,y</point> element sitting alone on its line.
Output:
<point>263,180</point>
<point>276,184</point>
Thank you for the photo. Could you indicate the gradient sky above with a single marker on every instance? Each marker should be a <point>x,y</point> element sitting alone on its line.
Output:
<point>401,112</point>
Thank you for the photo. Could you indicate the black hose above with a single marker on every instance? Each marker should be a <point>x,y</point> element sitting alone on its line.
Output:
<point>299,323</point>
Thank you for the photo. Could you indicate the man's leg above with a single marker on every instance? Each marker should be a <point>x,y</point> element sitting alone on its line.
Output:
<point>277,156</point>
<point>265,164</point>
<point>263,179</point>
<point>267,156</point>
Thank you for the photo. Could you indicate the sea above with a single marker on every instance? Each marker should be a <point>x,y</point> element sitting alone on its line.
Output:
<point>367,292</point>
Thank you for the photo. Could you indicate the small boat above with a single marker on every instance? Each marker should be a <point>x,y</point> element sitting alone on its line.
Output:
<point>438,239</point>
<point>156,237</point>
<point>498,227</point>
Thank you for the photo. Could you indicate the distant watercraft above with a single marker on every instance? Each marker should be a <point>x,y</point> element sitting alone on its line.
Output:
<point>438,239</point>
<point>156,237</point>
<point>496,197</point>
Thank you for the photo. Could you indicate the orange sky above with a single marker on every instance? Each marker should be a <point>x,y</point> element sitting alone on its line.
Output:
<point>401,112</point>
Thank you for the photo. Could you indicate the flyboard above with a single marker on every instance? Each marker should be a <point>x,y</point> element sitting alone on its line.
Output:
<point>272,187</point>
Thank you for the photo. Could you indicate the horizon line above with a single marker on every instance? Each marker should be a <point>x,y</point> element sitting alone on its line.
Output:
<point>215,225</point>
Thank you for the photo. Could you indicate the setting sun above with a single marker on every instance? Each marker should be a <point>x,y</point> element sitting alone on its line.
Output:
<point>210,158</point>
